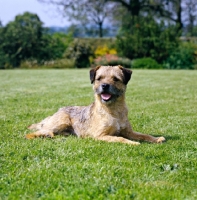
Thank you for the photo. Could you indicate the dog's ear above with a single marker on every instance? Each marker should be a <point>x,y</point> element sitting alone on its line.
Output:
<point>93,74</point>
<point>127,74</point>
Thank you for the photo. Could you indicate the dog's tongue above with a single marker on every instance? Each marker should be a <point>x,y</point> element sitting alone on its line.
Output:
<point>105,96</point>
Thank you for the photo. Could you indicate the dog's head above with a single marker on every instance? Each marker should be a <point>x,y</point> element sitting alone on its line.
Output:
<point>109,82</point>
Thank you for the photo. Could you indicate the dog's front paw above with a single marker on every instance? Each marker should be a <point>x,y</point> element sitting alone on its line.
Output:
<point>133,143</point>
<point>160,140</point>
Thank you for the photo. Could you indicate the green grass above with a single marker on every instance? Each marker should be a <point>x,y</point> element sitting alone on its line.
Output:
<point>160,103</point>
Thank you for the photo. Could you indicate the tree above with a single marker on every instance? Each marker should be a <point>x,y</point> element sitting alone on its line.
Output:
<point>190,11</point>
<point>25,38</point>
<point>161,9</point>
<point>136,7</point>
<point>174,12</point>
<point>87,12</point>
<point>183,13</point>
<point>152,39</point>
<point>98,11</point>
<point>2,54</point>
<point>20,37</point>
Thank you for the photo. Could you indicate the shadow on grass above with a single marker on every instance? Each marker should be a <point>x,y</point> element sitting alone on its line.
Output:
<point>174,137</point>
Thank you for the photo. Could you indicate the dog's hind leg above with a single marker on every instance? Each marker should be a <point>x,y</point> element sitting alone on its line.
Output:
<point>40,133</point>
<point>59,123</point>
<point>39,125</point>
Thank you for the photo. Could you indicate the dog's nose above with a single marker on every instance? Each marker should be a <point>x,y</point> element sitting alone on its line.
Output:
<point>105,86</point>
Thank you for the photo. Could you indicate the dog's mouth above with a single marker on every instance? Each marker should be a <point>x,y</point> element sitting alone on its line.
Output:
<point>106,96</point>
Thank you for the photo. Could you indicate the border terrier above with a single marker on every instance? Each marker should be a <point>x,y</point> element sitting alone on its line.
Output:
<point>106,119</point>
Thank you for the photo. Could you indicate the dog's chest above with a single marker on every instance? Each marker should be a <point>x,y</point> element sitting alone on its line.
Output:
<point>113,125</point>
<point>118,124</point>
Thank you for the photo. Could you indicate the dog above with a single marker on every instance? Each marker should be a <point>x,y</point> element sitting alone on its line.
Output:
<point>105,119</point>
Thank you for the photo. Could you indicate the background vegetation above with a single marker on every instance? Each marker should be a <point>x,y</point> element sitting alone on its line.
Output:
<point>164,31</point>
<point>159,102</point>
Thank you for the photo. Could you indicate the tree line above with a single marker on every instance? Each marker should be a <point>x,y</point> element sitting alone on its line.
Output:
<point>149,29</point>
<point>182,13</point>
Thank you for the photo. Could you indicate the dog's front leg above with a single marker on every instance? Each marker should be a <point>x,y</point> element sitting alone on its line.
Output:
<point>143,137</point>
<point>109,138</point>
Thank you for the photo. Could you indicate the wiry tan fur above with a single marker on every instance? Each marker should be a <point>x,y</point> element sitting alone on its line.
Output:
<point>106,119</point>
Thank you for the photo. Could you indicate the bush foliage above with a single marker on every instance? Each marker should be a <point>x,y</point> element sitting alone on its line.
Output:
<point>144,39</point>
<point>112,60</point>
<point>184,57</point>
<point>80,52</point>
<point>25,38</point>
<point>145,63</point>
<point>56,64</point>
<point>103,50</point>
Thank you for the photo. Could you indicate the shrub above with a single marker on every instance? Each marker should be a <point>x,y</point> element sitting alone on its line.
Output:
<point>66,39</point>
<point>4,63</point>
<point>94,43</point>
<point>56,64</point>
<point>144,39</point>
<point>146,63</point>
<point>60,64</point>
<point>80,52</point>
<point>184,57</point>
<point>112,60</point>
<point>103,50</point>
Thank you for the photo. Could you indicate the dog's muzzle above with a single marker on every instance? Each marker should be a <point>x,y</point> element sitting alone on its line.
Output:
<point>105,95</point>
<point>108,93</point>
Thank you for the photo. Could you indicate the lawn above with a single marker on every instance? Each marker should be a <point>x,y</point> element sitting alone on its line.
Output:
<point>161,103</point>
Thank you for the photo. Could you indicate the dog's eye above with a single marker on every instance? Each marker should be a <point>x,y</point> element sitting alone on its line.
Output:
<point>99,78</point>
<point>115,79</point>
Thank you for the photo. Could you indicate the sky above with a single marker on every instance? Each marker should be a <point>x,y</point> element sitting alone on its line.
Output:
<point>47,13</point>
